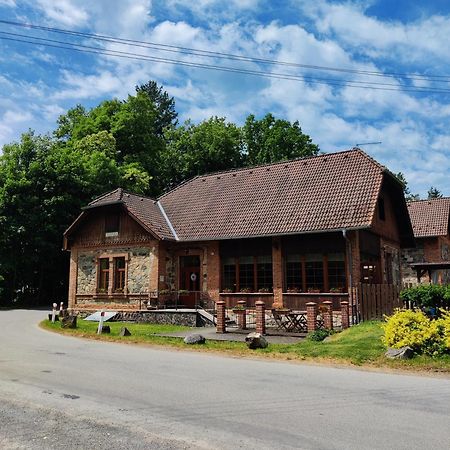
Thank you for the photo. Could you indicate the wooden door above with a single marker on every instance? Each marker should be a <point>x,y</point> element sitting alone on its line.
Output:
<point>189,280</point>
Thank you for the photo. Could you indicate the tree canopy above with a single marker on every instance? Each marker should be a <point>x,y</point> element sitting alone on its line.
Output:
<point>135,143</point>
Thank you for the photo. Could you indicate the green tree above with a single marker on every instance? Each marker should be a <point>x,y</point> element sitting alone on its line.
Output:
<point>434,193</point>
<point>409,196</point>
<point>210,146</point>
<point>43,185</point>
<point>269,140</point>
<point>164,104</point>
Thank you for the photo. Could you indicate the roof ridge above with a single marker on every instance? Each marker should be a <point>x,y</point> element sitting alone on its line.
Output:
<point>96,199</point>
<point>125,192</point>
<point>276,163</point>
<point>428,200</point>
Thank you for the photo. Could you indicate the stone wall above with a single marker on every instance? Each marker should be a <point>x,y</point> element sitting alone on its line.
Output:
<point>141,262</point>
<point>409,256</point>
<point>87,273</point>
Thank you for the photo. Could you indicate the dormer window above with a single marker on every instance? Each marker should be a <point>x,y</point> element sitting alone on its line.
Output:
<point>112,222</point>
<point>381,210</point>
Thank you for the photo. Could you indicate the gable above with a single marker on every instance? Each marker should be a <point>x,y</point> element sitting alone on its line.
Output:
<point>106,225</point>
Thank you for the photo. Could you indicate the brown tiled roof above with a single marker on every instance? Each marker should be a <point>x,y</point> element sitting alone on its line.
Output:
<point>322,193</point>
<point>144,209</point>
<point>430,217</point>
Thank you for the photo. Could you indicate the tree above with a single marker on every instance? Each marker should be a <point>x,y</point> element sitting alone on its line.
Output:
<point>434,193</point>
<point>164,104</point>
<point>269,140</point>
<point>210,146</point>
<point>409,197</point>
<point>43,184</point>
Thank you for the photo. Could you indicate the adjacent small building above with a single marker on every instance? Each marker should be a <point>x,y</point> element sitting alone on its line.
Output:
<point>429,260</point>
<point>286,233</point>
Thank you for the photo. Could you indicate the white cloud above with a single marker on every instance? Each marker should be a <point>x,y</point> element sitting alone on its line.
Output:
<point>10,3</point>
<point>84,87</point>
<point>64,12</point>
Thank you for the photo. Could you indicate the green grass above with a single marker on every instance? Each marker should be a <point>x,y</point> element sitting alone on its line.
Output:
<point>359,345</point>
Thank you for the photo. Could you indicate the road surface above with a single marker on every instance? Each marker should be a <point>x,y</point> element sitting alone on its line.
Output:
<point>59,392</point>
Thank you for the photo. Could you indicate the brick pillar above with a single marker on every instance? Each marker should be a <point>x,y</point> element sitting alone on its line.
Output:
<point>221,327</point>
<point>277,273</point>
<point>241,316</point>
<point>344,315</point>
<point>328,314</point>
<point>260,317</point>
<point>311,316</point>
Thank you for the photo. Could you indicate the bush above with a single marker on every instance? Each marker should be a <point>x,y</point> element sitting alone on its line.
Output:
<point>427,295</point>
<point>416,330</point>
<point>319,335</point>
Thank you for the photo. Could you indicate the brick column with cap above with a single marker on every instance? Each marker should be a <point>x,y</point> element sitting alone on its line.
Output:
<point>260,317</point>
<point>344,315</point>
<point>328,314</point>
<point>311,316</point>
<point>241,316</point>
<point>221,327</point>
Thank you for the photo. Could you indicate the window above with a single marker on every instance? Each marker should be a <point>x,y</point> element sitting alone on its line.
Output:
<point>119,274</point>
<point>314,272</point>
<point>381,210</point>
<point>294,275</point>
<point>336,272</point>
<point>247,274</point>
<point>112,223</point>
<point>229,274</point>
<point>103,279</point>
<point>264,273</point>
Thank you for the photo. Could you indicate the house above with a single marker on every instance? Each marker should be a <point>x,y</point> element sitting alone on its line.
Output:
<point>429,261</point>
<point>286,233</point>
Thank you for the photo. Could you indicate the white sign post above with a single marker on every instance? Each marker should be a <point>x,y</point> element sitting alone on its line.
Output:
<point>54,312</point>
<point>100,324</point>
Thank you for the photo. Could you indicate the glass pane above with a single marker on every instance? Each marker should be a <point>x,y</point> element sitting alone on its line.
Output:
<point>120,263</point>
<point>229,275</point>
<point>264,273</point>
<point>104,263</point>
<point>246,274</point>
<point>336,275</point>
<point>336,257</point>
<point>314,275</point>
<point>294,280</point>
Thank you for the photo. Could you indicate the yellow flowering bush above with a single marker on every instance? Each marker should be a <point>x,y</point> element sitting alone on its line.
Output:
<point>445,320</point>
<point>414,329</point>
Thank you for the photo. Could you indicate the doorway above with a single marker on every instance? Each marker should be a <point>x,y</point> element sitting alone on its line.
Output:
<point>189,279</point>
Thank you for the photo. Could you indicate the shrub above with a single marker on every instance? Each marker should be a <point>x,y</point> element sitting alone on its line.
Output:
<point>319,335</point>
<point>427,295</point>
<point>445,320</point>
<point>416,330</point>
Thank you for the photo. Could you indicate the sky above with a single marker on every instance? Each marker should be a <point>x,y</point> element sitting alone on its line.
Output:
<point>402,43</point>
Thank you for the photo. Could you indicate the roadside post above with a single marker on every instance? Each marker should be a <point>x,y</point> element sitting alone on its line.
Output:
<point>100,324</point>
<point>61,308</point>
<point>54,312</point>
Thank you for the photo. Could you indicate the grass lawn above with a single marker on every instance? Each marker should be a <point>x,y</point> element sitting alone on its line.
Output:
<point>359,345</point>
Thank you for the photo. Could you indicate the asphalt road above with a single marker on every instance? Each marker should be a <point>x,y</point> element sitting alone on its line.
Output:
<point>59,392</point>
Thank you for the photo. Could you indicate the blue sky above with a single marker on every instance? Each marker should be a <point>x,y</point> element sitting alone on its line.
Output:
<point>39,83</point>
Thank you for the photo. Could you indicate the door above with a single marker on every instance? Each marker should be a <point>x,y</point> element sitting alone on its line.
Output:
<point>189,280</point>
